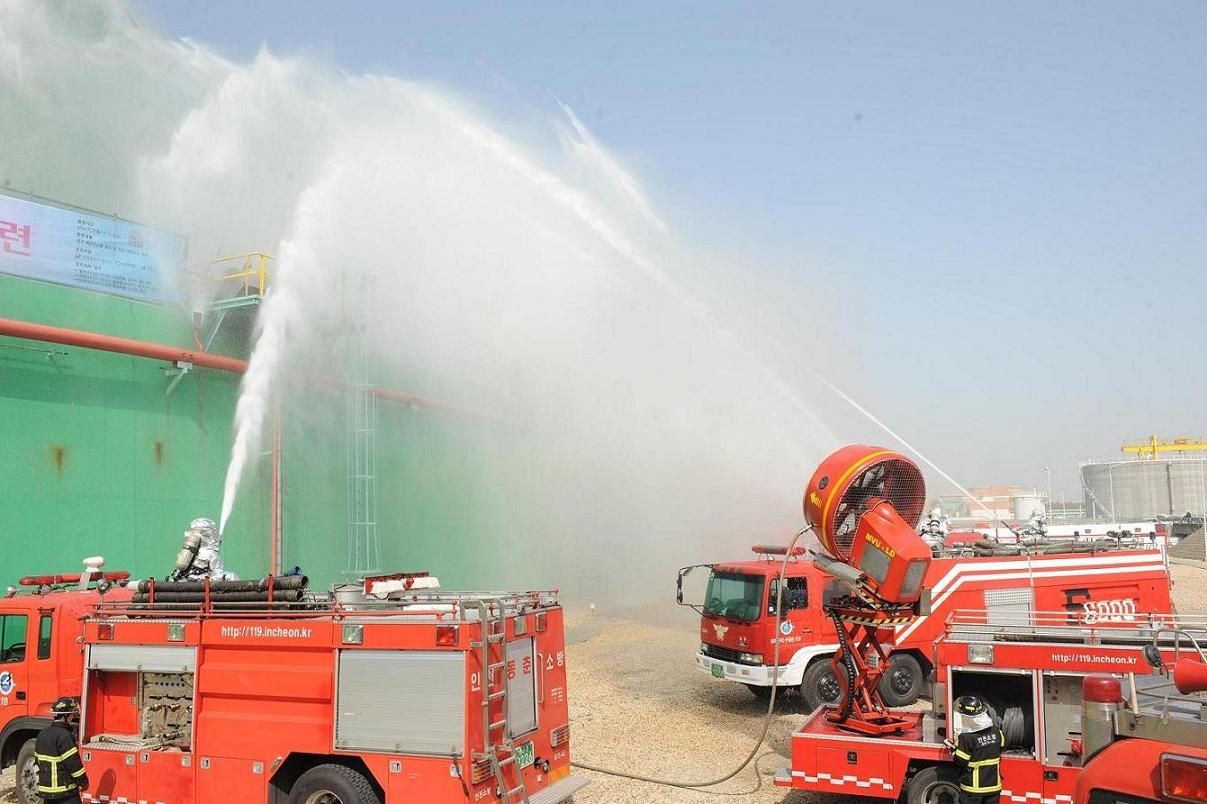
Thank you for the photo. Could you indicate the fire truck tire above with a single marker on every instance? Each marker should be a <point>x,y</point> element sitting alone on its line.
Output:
<point>332,784</point>
<point>902,681</point>
<point>27,775</point>
<point>938,784</point>
<point>820,686</point>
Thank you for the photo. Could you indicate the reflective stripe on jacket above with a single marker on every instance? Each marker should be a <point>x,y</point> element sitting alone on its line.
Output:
<point>60,771</point>
<point>979,755</point>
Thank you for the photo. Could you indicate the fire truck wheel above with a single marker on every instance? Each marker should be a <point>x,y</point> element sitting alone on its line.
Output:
<point>27,775</point>
<point>820,686</point>
<point>332,784</point>
<point>938,784</point>
<point>901,683</point>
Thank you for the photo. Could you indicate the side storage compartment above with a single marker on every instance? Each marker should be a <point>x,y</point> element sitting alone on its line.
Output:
<point>112,774</point>
<point>166,776</point>
<point>138,723</point>
<point>221,779</point>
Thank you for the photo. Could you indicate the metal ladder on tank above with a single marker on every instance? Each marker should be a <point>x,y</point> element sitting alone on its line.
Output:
<point>494,633</point>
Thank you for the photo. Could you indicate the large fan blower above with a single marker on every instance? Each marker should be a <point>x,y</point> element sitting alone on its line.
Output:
<point>864,504</point>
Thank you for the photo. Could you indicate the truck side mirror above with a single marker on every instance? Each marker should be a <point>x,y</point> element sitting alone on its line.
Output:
<point>683,573</point>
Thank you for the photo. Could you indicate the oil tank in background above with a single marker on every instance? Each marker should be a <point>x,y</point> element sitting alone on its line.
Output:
<point>1135,490</point>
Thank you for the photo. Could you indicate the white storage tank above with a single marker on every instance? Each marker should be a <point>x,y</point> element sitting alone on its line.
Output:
<point>1027,506</point>
<point>1138,490</point>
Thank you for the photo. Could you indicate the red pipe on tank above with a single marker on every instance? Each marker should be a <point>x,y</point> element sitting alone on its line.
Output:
<point>126,346</point>
<point>174,354</point>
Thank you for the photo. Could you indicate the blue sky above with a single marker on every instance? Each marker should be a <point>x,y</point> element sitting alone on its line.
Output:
<point>1014,195</point>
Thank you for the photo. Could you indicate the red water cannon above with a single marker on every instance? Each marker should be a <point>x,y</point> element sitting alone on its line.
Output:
<point>864,504</point>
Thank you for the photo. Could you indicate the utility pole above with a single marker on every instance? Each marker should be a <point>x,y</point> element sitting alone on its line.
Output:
<point>1048,472</point>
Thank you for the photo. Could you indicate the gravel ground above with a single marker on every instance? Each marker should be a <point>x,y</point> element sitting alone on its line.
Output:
<point>1189,588</point>
<point>638,704</point>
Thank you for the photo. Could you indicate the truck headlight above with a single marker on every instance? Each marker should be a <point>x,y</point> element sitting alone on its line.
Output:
<point>750,658</point>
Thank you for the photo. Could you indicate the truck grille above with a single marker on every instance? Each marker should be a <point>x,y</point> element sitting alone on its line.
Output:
<point>724,654</point>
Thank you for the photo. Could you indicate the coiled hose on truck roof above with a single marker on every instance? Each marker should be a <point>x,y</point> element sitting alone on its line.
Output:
<point>775,681</point>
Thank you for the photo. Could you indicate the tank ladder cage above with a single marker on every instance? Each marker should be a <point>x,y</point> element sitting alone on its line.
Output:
<point>973,625</point>
<point>492,613</point>
<point>424,606</point>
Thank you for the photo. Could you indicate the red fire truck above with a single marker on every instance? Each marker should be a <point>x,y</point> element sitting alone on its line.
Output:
<point>428,696</point>
<point>1095,586</point>
<point>1030,669</point>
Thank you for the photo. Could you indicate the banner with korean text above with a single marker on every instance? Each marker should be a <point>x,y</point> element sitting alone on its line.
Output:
<point>87,250</point>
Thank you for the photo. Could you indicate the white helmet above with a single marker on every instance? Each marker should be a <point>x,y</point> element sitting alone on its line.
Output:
<point>207,529</point>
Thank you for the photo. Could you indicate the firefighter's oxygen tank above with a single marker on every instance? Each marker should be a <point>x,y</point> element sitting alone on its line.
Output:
<point>184,559</point>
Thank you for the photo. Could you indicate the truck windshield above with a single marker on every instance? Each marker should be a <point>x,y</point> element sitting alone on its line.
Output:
<point>734,595</point>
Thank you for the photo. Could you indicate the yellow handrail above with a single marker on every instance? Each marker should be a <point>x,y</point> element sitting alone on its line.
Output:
<point>255,267</point>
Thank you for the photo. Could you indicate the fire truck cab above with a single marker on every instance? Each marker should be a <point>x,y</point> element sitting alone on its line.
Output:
<point>40,660</point>
<point>1094,586</point>
<point>1028,667</point>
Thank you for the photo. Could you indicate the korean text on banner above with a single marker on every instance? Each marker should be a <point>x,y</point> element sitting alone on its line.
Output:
<point>86,250</point>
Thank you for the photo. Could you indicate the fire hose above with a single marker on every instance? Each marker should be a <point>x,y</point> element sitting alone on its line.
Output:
<point>775,680</point>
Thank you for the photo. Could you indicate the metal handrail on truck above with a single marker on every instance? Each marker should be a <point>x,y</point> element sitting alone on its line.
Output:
<point>968,625</point>
<point>425,605</point>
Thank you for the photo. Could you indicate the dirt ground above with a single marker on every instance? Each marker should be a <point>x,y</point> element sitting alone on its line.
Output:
<point>638,704</point>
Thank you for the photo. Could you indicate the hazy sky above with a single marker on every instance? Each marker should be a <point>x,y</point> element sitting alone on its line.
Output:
<point>1004,204</point>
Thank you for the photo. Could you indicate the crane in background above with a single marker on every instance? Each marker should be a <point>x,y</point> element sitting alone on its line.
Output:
<point>1153,448</point>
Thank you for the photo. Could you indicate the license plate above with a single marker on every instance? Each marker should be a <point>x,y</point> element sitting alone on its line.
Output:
<point>525,755</point>
<point>718,670</point>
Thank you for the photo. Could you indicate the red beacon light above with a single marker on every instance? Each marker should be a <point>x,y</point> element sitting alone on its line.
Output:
<point>777,550</point>
<point>1102,689</point>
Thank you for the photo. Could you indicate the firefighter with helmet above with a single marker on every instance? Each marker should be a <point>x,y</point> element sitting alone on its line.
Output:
<point>977,751</point>
<point>61,774</point>
<point>201,555</point>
